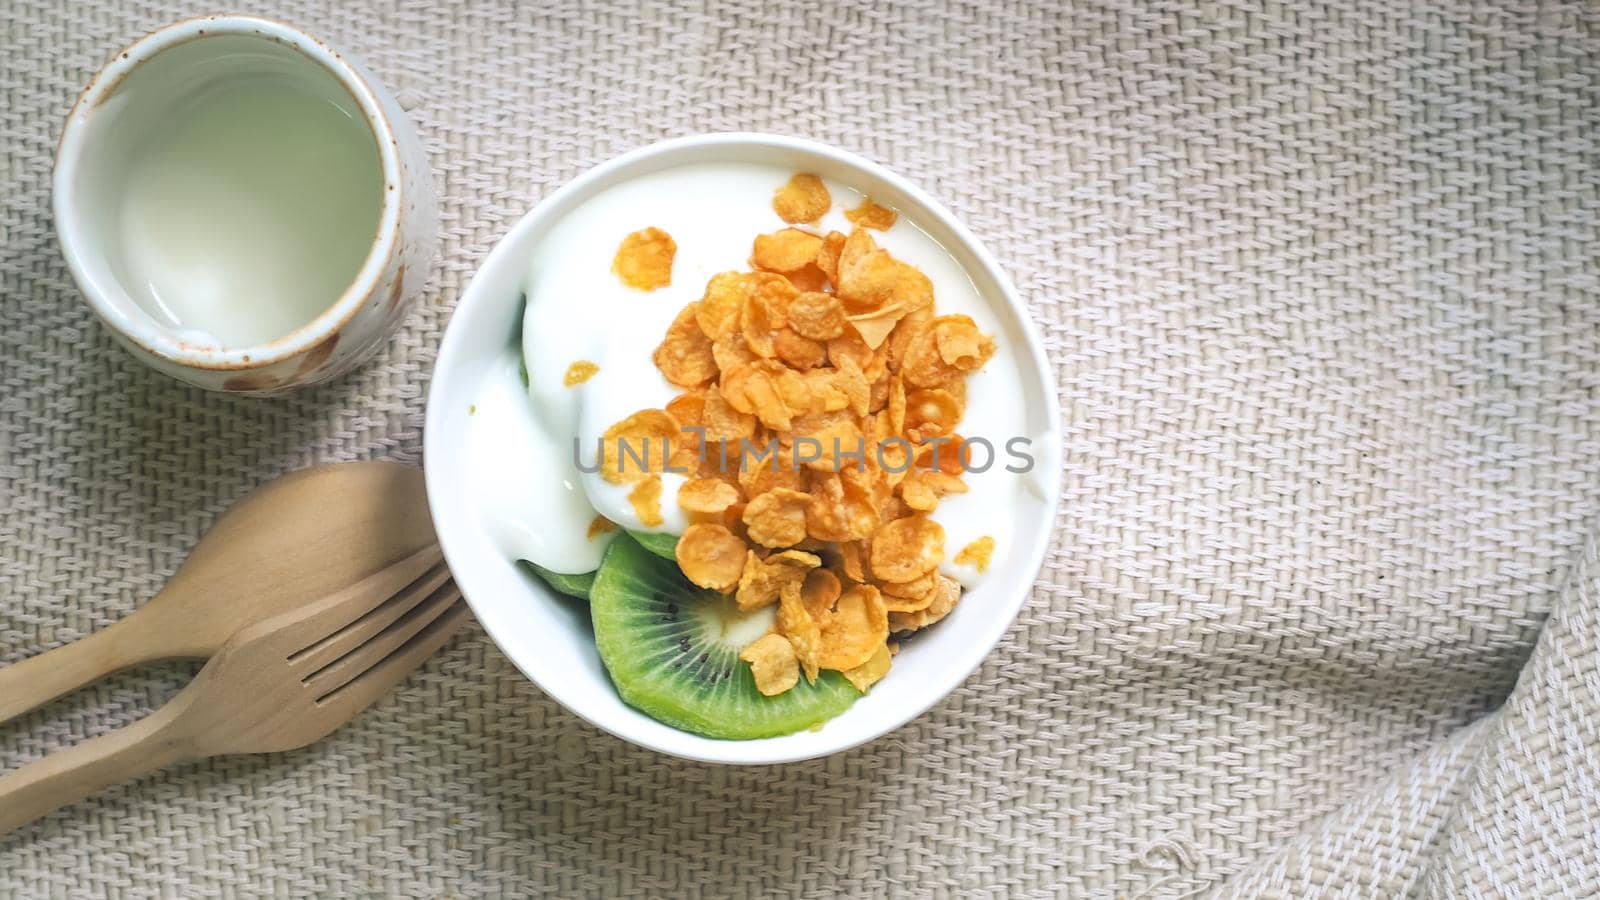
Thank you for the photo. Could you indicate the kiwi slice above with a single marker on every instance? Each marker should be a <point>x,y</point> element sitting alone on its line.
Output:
<point>673,652</point>
<point>662,545</point>
<point>572,585</point>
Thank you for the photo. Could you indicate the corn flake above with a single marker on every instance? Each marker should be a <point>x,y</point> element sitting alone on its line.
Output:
<point>637,446</point>
<point>760,472</point>
<point>646,500</point>
<point>804,199</point>
<point>762,581</point>
<point>944,600</point>
<point>837,512</point>
<point>809,277</point>
<point>803,632</point>
<point>684,356</point>
<point>867,273</point>
<point>871,215</point>
<point>828,255</point>
<point>931,413</point>
<point>960,344</point>
<point>875,325</point>
<point>907,549</point>
<point>754,388</point>
<point>644,259</point>
<point>977,554</point>
<point>777,518</point>
<point>796,351</point>
<point>786,250</point>
<point>850,560</point>
<point>772,663</point>
<point>913,589</point>
<point>711,556</point>
<point>731,351</point>
<point>757,322</point>
<point>906,605</point>
<point>707,496</point>
<point>723,422</point>
<point>580,371</point>
<point>819,591</point>
<point>921,364</point>
<point>720,306</point>
<point>817,316</point>
<point>688,409</point>
<point>858,627</point>
<point>913,290</point>
<point>870,672</point>
<point>921,489</point>
<point>850,381</point>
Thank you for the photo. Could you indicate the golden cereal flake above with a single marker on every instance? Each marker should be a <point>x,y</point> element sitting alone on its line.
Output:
<point>803,632</point>
<point>707,496</point>
<point>646,500</point>
<point>858,627</point>
<point>777,518</point>
<point>906,549</point>
<point>785,250</point>
<point>816,315</point>
<point>711,556</point>
<point>636,446</point>
<point>684,355</point>
<point>871,215</point>
<point>772,662</point>
<point>644,259</point>
<point>977,554</point>
<point>870,672</point>
<point>804,199</point>
<point>763,580</point>
<point>579,372</point>
<point>945,597</point>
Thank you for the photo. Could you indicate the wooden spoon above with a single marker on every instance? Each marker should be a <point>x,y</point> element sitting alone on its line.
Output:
<point>294,540</point>
<point>280,684</point>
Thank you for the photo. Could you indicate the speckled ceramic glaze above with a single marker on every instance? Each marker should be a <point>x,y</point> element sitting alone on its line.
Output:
<point>344,334</point>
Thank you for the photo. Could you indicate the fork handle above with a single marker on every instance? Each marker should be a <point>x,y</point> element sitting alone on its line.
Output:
<point>69,775</point>
<point>43,677</point>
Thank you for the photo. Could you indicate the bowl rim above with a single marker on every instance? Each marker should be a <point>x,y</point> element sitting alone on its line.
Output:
<point>729,751</point>
<point>159,340</point>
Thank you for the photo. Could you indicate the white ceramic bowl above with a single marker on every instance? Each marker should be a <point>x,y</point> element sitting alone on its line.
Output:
<point>550,640</point>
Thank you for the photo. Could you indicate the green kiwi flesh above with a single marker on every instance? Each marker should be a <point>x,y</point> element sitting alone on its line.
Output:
<point>572,585</point>
<point>662,545</point>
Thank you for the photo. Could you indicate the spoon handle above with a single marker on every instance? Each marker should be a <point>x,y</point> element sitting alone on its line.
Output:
<point>41,678</point>
<point>69,775</point>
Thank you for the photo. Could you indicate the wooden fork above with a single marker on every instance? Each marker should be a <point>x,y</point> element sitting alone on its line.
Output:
<point>280,684</point>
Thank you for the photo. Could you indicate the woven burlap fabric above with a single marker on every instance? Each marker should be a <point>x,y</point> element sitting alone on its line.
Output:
<point>1321,286</point>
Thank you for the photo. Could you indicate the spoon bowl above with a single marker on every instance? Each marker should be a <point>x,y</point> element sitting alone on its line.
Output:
<point>294,540</point>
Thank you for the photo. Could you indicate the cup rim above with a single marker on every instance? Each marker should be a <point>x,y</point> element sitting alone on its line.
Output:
<point>453,536</point>
<point>158,340</point>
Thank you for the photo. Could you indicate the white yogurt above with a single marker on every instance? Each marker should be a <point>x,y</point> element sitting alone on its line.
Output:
<point>539,505</point>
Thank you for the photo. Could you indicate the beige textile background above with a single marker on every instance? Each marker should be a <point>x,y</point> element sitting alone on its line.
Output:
<point>1321,284</point>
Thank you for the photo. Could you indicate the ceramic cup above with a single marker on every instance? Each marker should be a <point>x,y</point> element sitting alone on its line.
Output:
<point>143,95</point>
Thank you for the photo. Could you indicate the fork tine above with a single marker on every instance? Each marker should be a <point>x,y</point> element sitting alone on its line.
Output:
<point>350,604</point>
<point>361,655</point>
<point>376,681</point>
<point>328,650</point>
